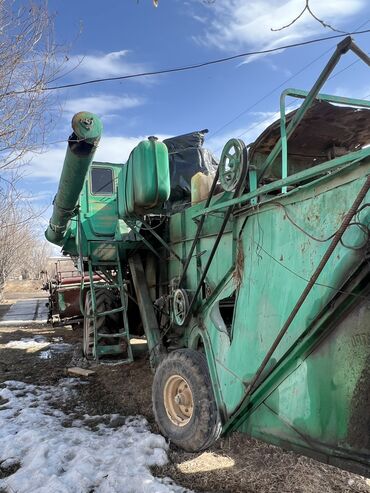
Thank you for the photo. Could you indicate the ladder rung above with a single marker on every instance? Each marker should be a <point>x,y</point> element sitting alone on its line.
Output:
<point>109,349</point>
<point>119,334</point>
<point>108,312</point>
<point>106,285</point>
<point>104,262</point>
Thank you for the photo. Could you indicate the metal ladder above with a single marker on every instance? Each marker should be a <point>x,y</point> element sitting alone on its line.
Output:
<point>112,263</point>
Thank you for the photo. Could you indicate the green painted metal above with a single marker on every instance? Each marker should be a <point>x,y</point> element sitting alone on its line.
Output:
<point>313,394</point>
<point>314,391</point>
<point>81,148</point>
<point>145,181</point>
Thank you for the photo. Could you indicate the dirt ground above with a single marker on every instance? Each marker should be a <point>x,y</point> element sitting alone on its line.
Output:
<point>234,464</point>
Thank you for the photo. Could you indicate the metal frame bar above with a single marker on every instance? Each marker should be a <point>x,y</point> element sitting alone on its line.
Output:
<point>343,161</point>
<point>146,309</point>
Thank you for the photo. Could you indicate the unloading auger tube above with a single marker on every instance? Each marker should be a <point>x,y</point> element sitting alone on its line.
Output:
<point>87,129</point>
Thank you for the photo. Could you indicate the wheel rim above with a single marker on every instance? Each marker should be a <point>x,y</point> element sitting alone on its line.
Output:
<point>178,400</point>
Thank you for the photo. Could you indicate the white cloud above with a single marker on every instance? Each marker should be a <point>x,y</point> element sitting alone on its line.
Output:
<point>101,65</point>
<point>48,165</point>
<point>248,134</point>
<point>102,104</point>
<point>199,18</point>
<point>237,24</point>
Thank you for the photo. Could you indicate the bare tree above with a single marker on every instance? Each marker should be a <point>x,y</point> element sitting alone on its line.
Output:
<point>14,234</point>
<point>22,249</point>
<point>36,261</point>
<point>29,60</point>
<point>307,8</point>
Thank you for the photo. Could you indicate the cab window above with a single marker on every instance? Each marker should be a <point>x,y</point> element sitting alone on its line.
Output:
<point>101,181</point>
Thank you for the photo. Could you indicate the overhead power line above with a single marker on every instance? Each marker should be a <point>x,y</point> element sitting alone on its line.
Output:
<point>303,69</point>
<point>186,67</point>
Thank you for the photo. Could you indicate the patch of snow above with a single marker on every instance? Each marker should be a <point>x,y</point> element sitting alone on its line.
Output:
<point>55,349</point>
<point>61,454</point>
<point>60,347</point>
<point>57,339</point>
<point>28,342</point>
<point>45,354</point>
<point>40,342</point>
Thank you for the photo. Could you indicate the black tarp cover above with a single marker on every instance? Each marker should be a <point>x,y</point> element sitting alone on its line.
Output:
<point>187,157</point>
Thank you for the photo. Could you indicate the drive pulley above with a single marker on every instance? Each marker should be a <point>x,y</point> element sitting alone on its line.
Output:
<point>233,164</point>
<point>180,306</point>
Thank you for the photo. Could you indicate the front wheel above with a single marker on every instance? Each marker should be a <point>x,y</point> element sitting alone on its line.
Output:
<point>183,401</point>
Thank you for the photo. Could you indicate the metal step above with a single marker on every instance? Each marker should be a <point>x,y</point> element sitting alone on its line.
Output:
<point>108,312</point>
<point>118,334</point>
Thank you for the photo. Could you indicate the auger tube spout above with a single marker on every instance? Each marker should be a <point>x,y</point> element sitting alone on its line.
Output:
<point>82,144</point>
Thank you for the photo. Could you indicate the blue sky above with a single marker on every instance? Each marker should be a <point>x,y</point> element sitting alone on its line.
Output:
<point>117,38</point>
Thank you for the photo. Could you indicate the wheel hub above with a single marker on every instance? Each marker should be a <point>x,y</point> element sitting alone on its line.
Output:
<point>178,400</point>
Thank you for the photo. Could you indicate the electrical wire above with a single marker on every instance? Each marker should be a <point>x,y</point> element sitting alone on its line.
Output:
<point>263,98</point>
<point>321,240</point>
<point>268,94</point>
<point>260,247</point>
<point>185,67</point>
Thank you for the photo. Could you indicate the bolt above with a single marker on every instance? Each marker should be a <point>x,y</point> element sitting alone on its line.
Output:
<point>87,122</point>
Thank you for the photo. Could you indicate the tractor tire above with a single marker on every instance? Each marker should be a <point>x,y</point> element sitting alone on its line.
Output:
<point>183,402</point>
<point>105,300</point>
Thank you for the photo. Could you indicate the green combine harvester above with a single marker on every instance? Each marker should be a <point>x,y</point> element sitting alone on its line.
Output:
<point>249,279</point>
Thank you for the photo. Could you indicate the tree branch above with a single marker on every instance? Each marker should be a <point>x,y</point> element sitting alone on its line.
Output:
<point>308,9</point>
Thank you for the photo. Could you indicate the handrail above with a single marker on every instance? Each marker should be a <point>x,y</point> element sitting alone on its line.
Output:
<point>342,48</point>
